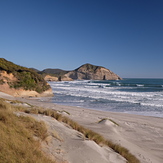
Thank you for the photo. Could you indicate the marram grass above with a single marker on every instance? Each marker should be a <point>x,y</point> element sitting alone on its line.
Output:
<point>17,144</point>
<point>89,134</point>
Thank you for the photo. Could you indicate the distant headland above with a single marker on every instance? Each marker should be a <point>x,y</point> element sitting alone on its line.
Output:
<point>84,72</point>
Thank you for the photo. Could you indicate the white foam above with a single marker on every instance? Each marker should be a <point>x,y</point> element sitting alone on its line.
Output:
<point>92,90</point>
<point>140,85</point>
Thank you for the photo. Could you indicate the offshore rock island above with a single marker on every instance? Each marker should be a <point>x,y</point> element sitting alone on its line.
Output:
<point>84,72</point>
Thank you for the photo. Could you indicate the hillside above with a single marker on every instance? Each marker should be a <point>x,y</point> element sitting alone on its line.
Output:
<point>15,79</point>
<point>54,72</point>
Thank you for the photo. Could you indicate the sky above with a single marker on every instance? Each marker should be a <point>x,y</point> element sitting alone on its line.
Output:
<point>125,36</point>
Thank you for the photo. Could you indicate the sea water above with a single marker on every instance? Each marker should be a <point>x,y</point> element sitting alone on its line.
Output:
<point>135,96</point>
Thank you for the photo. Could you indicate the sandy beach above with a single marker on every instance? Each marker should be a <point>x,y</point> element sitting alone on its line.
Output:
<point>141,135</point>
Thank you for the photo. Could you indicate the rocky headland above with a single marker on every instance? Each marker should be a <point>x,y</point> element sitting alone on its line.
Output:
<point>92,72</point>
<point>84,72</point>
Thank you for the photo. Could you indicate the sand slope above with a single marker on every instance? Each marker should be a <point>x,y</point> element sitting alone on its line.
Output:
<point>68,145</point>
<point>142,135</point>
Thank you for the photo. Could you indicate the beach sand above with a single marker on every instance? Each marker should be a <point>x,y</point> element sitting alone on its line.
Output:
<point>141,135</point>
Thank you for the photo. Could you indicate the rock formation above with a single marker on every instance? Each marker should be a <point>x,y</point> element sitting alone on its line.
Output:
<point>50,78</point>
<point>92,72</point>
<point>84,72</point>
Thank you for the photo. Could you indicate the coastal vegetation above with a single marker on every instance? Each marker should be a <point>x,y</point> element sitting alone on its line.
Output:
<point>17,134</point>
<point>53,72</point>
<point>105,119</point>
<point>26,78</point>
<point>89,67</point>
<point>2,82</point>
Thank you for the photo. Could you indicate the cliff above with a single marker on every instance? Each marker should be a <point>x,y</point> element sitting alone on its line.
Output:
<point>21,81</point>
<point>92,72</point>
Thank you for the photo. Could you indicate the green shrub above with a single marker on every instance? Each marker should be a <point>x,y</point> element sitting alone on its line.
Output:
<point>27,79</point>
<point>1,82</point>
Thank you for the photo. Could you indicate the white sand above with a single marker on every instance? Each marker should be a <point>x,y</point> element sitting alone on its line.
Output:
<point>70,145</point>
<point>142,135</point>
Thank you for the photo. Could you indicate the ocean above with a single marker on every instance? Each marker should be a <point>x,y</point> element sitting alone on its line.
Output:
<point>134,96</point>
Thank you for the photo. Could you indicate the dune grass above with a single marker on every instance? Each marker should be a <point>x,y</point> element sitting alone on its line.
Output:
<point>89,134</point>
<point>29,130</point>
<point>17,144</point>
<point>108,120</point>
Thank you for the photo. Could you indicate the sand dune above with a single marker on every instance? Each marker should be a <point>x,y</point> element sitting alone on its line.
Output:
<point>142,135</point>
<point>69,146</point>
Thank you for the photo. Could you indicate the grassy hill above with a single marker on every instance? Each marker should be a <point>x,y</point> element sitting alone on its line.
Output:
<point>89,67</point>
<point>27,78</point>
<point>53,72</point>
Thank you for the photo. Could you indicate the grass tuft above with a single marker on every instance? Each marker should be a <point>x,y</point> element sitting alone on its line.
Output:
<point>109,120</point>
<point>17,143</point>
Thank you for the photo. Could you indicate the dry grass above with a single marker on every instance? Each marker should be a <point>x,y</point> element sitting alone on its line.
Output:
<point>56,135</point>
<point>89,134</point>
<point>109,120</point>
<point>17,143</point>
<point>64,111</point>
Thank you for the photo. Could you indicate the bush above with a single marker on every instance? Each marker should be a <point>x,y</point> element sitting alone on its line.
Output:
<point>27,79</point>
<point>1,82</point>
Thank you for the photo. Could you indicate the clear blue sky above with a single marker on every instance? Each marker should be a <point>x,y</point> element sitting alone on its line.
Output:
<point>125,36</point>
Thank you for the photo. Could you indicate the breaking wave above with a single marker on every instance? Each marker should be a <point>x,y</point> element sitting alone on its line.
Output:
<point>129,95</point>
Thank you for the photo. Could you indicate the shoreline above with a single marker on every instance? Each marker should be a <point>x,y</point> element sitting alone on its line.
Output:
<point>141,135</point>
<point>46,100</point>
<point>132,96</point>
